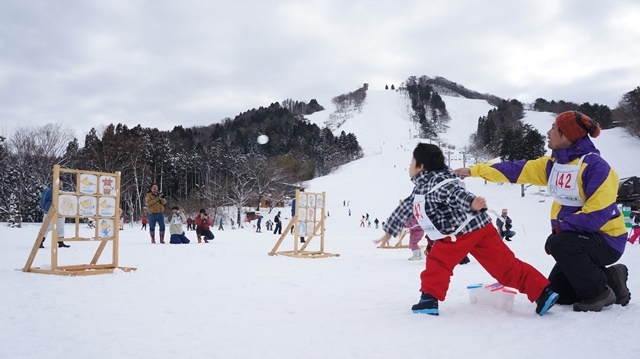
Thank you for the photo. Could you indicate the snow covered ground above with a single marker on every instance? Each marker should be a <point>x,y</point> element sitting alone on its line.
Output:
<point>229,299</point>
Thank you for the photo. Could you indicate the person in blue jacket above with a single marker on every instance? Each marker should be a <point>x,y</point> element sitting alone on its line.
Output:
<point>259,224</point>
<point>293,213</point>
<point>45,204</point>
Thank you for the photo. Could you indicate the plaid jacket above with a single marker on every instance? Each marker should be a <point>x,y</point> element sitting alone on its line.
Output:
<point>446,207</point>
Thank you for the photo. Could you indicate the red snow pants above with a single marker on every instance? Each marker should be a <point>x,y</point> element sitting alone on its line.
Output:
<point>493,255</point>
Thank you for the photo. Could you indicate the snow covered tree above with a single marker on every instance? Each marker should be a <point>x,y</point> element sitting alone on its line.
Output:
<point>4,175</point>
<point>429,110</point>
<point>240,189</point>
<point>14,218</point>
<point>34,151</point>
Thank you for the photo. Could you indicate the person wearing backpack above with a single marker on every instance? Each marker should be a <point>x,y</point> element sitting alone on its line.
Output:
<point>278,229</point>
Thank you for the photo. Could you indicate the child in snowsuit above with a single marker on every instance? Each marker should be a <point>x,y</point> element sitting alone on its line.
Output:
<point>415,235</point>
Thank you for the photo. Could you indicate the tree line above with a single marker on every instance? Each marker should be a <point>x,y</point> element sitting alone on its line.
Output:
<point>600,113</point>
<point>216,166</point>
<point>501,132</point>
<point>222,165</point>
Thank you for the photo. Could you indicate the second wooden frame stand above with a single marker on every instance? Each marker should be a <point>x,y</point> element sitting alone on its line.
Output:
<point>308,222</point>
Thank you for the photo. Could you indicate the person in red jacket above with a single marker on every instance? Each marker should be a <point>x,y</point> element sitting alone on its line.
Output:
<point>144,223</point>
<point>203,226</point>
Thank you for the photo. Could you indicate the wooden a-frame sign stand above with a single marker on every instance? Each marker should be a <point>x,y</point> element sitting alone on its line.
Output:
<point>308,222</point>
<point>398,245</point>
<point>97,196</point>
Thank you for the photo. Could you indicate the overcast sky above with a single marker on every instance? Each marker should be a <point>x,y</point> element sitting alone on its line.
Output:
<point>163,63</point>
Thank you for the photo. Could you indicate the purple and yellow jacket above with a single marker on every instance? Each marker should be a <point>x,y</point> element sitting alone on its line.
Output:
<point>597,183</point>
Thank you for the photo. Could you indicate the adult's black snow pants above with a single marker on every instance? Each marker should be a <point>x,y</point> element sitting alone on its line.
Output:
<point>580,262</point>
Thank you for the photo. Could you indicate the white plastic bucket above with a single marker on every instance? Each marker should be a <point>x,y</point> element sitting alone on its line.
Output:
<point>495,295</point>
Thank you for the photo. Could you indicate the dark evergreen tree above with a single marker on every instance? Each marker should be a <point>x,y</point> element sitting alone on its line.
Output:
<point>497,133</point>
<point>541,105</point>
<point>522,142</point>
<point>5,185</point>
<point>600,113</point>
<point>627,113</point>
<point>428,108</point>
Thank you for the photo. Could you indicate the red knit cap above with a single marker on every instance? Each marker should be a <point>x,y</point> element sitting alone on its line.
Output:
<point>575,125</point>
